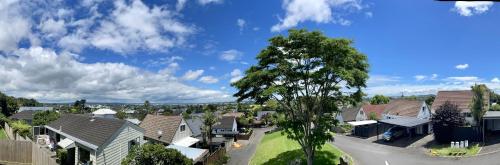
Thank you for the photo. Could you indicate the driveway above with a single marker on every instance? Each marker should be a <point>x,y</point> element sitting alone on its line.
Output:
<point>366,152</point>
<point>239,156</point>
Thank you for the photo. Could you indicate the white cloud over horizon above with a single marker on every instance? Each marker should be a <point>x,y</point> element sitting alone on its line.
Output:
<point>462,66</point>
<point>65,79</point>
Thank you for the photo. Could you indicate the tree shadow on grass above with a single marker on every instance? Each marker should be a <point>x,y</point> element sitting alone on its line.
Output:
<point>321,157</point>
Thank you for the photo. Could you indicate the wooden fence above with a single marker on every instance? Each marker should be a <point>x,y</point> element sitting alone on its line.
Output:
<point>24,152</point>
<point>16,151</point>
<point>216,156</point>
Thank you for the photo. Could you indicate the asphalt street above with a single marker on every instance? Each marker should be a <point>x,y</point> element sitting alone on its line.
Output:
<point>365,152</point>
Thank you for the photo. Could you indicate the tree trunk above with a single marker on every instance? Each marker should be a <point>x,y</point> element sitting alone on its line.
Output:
<point>310,156</point>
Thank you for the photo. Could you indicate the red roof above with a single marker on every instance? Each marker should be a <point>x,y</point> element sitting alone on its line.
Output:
<point>377,109</point>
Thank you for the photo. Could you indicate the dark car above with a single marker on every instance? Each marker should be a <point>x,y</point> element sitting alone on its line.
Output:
<point>394,133</point>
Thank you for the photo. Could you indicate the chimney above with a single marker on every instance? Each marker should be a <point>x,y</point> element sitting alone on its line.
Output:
<point>60,128</point>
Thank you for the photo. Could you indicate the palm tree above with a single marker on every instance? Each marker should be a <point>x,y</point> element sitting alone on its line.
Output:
<point>209,119</point>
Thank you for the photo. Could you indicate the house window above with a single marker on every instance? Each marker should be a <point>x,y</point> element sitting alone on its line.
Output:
<point>131,144</point>
<point>423,109</point>
<point>183,128</point>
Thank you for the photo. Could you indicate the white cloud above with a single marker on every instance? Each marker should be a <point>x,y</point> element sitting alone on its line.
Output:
<point>434,76</point>
<point>236,75</point>
<point>180,5</point>
<point>462,66</point>
<point>53,28</point>
<point>241,23</point>
<point>382,79</point>
<point>208,79</point>
<point>467,9</point>
<point>319,11</point>
<point>192,75</point>
<point>495,80</point>
<point>255,28</point>
<point>204,2</point>
<point>230,55</point>
<point>136,26</point>
<point>463,78</point>
<point>50,77</point>
<point>14,26</point>
<point>420,77</point>
<point>369,14</point>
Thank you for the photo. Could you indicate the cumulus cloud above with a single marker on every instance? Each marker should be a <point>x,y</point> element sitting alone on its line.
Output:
<point>208,79</point>
<point>434,76</point>
<point>14,26</point>
<point>465,8</point>
<point>48,76</point>
<point>319,11</point>
<point>180,5</point>
<point>420,77</point>
<point>462,66</point>
<point>192,75</point>
<point>236,75</point>
<point>230,55</point>
<point>382,79</point>
<point>463,78</point>
<point>495,80</point>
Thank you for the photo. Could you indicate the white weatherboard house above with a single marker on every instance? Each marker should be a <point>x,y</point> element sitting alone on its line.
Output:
<point>104,112</point>
<point>226,127</point>
<point>412,114</point>
<point>94,140</point>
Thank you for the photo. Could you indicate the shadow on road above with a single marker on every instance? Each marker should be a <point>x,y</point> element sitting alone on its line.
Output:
<point>321,157</point>
<point>402,142</point>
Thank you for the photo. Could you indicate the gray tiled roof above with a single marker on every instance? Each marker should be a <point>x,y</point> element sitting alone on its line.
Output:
<point>405,121</point>
<point>195,123</point>
<point>349,114</point>
<point>95,131</point>
<point>226,122</point>
<point>23,115</point>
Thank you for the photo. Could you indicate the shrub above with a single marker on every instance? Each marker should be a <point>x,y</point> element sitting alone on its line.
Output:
<point>21,128</point>
<point>62,155</point>
<point>44,117</point>
<point>155,154</point>
<point>447,117</point>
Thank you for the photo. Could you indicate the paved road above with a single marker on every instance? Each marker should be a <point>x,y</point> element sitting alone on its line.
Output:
<point>242,156</point>
<point>366,152</point>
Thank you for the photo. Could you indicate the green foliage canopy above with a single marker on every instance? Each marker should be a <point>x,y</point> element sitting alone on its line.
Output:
<point>44,117</point>
<point>309,75</point>
<point>379,99</point>
<point>155,154</point>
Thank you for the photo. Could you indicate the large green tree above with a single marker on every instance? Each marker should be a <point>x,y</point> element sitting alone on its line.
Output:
<point>44,117</point>
<point>155,154</point>
<point>309,75</point>
<point>479,105</point>
<point>379,99</point>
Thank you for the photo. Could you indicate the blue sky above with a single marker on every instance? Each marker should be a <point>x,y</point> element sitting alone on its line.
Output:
<point>190,50</point>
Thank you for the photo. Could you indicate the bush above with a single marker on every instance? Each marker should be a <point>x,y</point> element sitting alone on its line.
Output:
<point>45,117</point>
<point>21,128</point>
<point>447,118</point>
<point>223,160</point>
<point>62,155</point>
<point>155,154</point>
<point>495,107</point>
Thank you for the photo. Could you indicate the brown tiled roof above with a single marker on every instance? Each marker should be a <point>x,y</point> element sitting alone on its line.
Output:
<point>461,98</point>
<point>349,114</point>
<point>378,109</point>
<point>92,130</point>
<point>167,124</point>
<point>408,108</point>
<point>226,122</point>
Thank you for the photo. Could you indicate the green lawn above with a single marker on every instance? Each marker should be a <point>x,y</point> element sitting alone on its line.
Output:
<point>277,149</point>
<point>2,134</point>
<point>445,150</point>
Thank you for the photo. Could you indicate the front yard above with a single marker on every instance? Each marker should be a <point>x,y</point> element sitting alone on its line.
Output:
<point>277,149</point>
<point>446,150</point>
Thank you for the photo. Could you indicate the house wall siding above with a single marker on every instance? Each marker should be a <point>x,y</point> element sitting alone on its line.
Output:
<point>186,133</point>
<point>116,150</point>
<point>361,115</point>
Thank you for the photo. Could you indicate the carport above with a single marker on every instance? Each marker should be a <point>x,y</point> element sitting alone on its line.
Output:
<point>420,125</point>
<point>491,122</point>
<point>363,128</point>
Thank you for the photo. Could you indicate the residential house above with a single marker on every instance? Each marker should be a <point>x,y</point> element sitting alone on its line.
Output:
<point>94,140</point>
<point>412,114</point>
<point>175,133</point>
<point>461,98</point>
<point>348,114</point>
<point>26,115</point>
<point>104,112</point>
<point>368,109</point>
<point>196,124</point>
<point>226,126</point>
<point>167,130</point>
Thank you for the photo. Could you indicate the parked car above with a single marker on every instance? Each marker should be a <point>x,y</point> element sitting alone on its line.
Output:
<point>394,133</point>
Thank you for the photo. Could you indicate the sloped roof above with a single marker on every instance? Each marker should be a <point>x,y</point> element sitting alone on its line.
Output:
<point>167,124</point>
<point>408,108</point>
<point>226,122</point>
<point>95,131</point>
<point>23,115</point>
<point>349,114</point>
<point>462,98</point>
<point>195,123</point>
<point>234,114</point>
<point>104,111</point>
<point>377,109</point>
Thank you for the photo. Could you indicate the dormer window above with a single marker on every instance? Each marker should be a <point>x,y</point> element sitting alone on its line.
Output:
<point>183,128</point>
<point>423,109</point>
